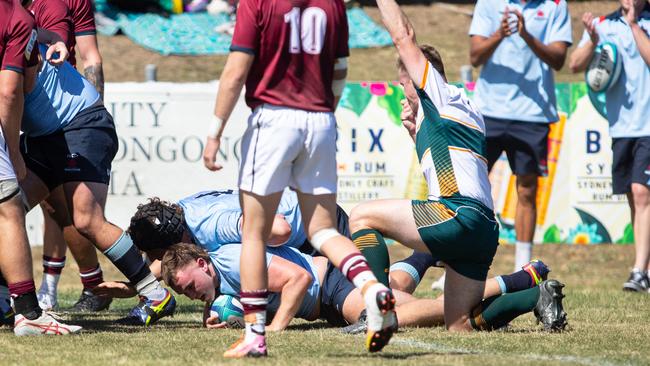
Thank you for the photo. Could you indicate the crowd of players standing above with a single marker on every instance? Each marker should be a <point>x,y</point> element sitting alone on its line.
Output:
<point>517,43</point>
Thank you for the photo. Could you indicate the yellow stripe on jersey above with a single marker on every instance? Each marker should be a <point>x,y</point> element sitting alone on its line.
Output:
<point>466,124</point>
<point>468,151</point>
<point>431,213</point>
<point>424,77</point>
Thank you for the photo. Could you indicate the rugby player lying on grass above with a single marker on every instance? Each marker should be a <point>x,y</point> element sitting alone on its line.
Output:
<point>301,286</point>
<point>211,219</point>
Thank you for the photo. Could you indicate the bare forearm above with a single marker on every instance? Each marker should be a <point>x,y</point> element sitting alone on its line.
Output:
<point>11,110</point>
<point>482,48</point>
<point>396,22</point>
<point>581,57</point>
<point>95,75</point>
<point>292,295</point>
<point>229,90</point>
<point>642,42</point>
<point>551,55</point>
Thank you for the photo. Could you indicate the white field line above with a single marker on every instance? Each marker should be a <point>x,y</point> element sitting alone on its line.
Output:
<point>430,346</point>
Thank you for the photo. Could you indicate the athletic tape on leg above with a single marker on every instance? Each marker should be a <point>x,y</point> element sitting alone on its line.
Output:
<point>322,236</point>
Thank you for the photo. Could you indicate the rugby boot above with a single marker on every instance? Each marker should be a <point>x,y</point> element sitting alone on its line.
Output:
<point>254,347</point>
<point>638,282</point>
<point>537,270</point>
<point>46,324</point>
<point>549,310</point>
<point>149,311</point>
<point>361,326</point>
<point>89,302</point>
<point>381,317</point>
<point>7,315</point>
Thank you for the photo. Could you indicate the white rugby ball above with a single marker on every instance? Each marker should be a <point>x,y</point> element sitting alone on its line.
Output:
<point>604,69</point>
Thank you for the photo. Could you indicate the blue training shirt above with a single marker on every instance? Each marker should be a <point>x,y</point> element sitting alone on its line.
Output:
<point>226,261</point>
<point>59,95</point>
<point>213,218</point>
<point>628,101</point>
<point>514,83</point>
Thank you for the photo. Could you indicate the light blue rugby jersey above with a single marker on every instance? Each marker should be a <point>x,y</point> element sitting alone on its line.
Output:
<point>213,218</point>
<point>226,261</point>
<point>628,101</point>
<point>59,95</point>
<point>514,83</point>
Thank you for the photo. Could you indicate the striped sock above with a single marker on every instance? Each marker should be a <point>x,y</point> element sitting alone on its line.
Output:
<point>371,244</point>
<point>254,303</point>
<point>25,302</point>
<point>355,268</point>
<point>91,277</point>
<point>52,268</point>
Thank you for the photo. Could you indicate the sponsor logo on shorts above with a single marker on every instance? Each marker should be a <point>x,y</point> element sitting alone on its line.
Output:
<point>647,172</point>
<point>72,165</point>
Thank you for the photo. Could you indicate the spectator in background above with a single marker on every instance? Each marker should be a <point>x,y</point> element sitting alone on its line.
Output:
<point>518,43</point>
<point>628,108</point>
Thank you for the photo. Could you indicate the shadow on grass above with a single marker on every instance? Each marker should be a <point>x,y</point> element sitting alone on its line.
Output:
<point>396,356</point>
<point>310,326</point>
<point>99,326</point>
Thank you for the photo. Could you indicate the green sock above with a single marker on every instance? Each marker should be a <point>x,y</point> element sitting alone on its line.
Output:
<point>497,311</point>
<point>373,247</point>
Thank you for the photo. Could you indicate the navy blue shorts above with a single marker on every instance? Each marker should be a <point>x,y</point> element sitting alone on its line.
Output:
<point>334,290</point>
<point>525,144</point>
<point>82,151</point>
<point>630,163</point>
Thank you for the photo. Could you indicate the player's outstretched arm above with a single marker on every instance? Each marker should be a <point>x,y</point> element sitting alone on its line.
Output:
<point>292,282</point>
<point>231,83</point>
<point>403,35</point>
<point>581,56</point>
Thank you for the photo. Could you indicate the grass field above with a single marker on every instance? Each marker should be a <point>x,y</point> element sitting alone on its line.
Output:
<point>606,327</point>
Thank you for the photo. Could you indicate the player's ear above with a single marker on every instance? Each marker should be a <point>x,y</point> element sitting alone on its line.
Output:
<point>203,264</point>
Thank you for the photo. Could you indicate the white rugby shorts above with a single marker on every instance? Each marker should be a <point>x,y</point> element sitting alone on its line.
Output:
<point>6,168</point>
<point>288,147</point>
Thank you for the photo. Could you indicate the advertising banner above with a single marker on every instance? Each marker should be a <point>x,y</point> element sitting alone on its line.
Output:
<point>162,128</point>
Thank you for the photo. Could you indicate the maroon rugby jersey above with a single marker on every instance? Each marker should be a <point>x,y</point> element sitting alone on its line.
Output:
<point>83,22</point>
<point>295,43</point>
<point>53,15</point>
<point>18,47</point>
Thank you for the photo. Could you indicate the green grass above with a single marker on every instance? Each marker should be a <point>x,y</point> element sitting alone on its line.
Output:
<point>606,327</point>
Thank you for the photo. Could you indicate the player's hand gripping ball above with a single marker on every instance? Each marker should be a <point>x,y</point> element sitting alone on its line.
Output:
<point>605,68</point>
<point>229,310</point>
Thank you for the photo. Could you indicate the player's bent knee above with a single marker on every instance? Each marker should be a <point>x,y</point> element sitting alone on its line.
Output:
<point>320,237</point>
<point>359,218</point>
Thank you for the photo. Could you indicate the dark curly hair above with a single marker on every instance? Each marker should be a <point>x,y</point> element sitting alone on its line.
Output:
<point>157,225</point>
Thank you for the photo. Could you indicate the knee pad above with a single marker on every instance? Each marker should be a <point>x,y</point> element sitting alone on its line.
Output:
<point>321,236</point>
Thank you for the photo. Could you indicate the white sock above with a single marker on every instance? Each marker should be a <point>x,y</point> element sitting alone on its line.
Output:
<point>523,254</point>
<point>150,288</point>
<point>49,284</point>
<point>362,278</point>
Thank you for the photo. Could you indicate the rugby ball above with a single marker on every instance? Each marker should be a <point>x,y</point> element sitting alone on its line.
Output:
<point>604,69</point>
<point>228,309</point>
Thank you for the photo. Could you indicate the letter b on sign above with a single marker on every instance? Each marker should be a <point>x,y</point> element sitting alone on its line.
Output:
<point>593,142</point>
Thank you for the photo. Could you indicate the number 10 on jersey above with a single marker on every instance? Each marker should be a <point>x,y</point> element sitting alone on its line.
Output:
<point>307,30</point>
